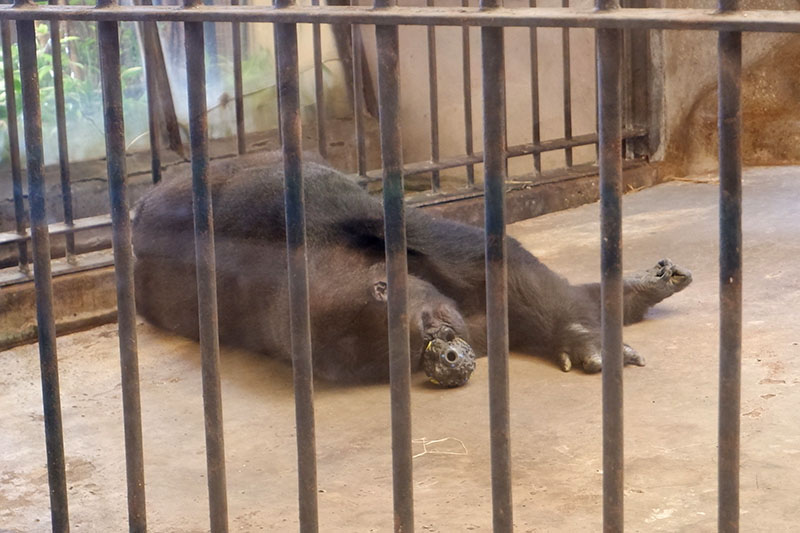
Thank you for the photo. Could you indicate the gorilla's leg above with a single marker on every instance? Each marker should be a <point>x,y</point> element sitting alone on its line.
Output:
<point>645,289</point>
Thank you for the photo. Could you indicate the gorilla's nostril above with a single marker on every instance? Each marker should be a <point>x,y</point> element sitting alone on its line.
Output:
<point>451,356</point>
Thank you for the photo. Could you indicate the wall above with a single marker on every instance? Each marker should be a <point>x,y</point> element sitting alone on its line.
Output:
<point>771,112</point>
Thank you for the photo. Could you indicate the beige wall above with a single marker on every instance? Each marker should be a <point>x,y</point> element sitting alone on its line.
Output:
<point>690,60</point>
<point>414,91</point>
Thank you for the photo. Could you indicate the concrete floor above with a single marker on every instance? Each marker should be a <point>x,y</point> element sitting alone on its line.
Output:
<point>670,406</point>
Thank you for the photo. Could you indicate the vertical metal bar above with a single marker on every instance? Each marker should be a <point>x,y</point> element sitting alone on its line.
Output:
<point>20,216</point>
<point>609,48</point>
<point>206,273</point>
<point>494,146</point>
<point>61,127</point>
<point>536,127</point>
<point>31,112</point>
<point>358,99</point>
<point>730,271</point>
<point>396,269</point>
<point>299,316</point>
<point>278,94</point>
<point>433,95</point>
<point>466,69</point>
<point>108,39</point>
<point>565,54</point>
<point>322,136</point>
<point>640,83</point>
<point>238,89</point>
<point>150,38</point>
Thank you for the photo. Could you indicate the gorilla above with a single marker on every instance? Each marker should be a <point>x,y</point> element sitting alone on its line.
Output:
<point>346,268</point>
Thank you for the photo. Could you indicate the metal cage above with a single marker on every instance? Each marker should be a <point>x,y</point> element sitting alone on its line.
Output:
<point>607,19</point>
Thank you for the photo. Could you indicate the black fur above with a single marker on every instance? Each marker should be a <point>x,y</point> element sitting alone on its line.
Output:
<point>346,264</point>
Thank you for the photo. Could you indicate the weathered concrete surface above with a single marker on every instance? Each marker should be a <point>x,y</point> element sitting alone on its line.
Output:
<point>81,301</point>
<point>670,406</point>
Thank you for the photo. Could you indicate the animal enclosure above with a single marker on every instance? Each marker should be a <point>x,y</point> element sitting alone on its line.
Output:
<point>623,125</point>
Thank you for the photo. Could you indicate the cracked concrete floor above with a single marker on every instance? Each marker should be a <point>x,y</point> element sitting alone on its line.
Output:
<point>670,406</point>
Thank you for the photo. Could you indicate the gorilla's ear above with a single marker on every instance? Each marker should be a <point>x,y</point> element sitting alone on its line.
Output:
<point>379,291</point>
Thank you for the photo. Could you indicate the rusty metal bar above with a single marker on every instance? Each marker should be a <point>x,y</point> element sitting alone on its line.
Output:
<point>358,100</point>
<point>609,54</point>
<point>149,37</point>
<point>421,167</point>
<point>567,87</point>
<point>774,21</point>
<point>299,316</point>
<point>108,39</point>
<point>536,127</point>
<point>275,45</point>
<point>206,273</point>
<point>466,69</point>
<point>238,89</point>
<point>396,269</point>
<point>48,358</point>
<point>730,272</point>
<point>494,144</point>
<point>61,129</point>
<point>20,217</point>
<point>433,98</point>
<point>319,89</point>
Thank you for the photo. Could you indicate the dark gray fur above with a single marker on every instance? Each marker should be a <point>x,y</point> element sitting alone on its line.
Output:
<point>547,315</point>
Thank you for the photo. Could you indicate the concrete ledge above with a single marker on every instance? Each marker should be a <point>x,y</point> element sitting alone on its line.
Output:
<point>83,300</point>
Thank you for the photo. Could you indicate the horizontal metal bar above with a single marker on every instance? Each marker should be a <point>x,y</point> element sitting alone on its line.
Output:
<point>78,263</point>
<point>60,228</point>
<point>518,150</point>
<point>666,19</point>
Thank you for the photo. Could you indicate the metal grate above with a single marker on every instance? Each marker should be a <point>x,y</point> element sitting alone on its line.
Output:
<point>608,19</point>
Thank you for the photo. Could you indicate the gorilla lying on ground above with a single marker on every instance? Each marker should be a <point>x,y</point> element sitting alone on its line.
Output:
<point>346,266</point>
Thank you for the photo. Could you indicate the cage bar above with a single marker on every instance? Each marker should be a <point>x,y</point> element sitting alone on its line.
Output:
<point>238,89</point>
<point>567,87</point>
<point>730,272</point>
<point>536,127</point>
<point>149,42</point>
<point>108,39</point>
<point>206,273</point>
<point>433,99</point>
<point>494,145</point>
<point>275,46</point>
<point>609,76</point>
<point>20,217</point>
<point>466,69</point>
<point>48,358</point>
<point>299,316</point>
<point>61,131</point>
<point>396,270</point>
<point>319,89</point>
<point>358,100</point>
<point>757,20</point>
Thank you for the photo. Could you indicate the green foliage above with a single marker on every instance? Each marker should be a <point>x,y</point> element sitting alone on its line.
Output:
<point>82,90</point>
